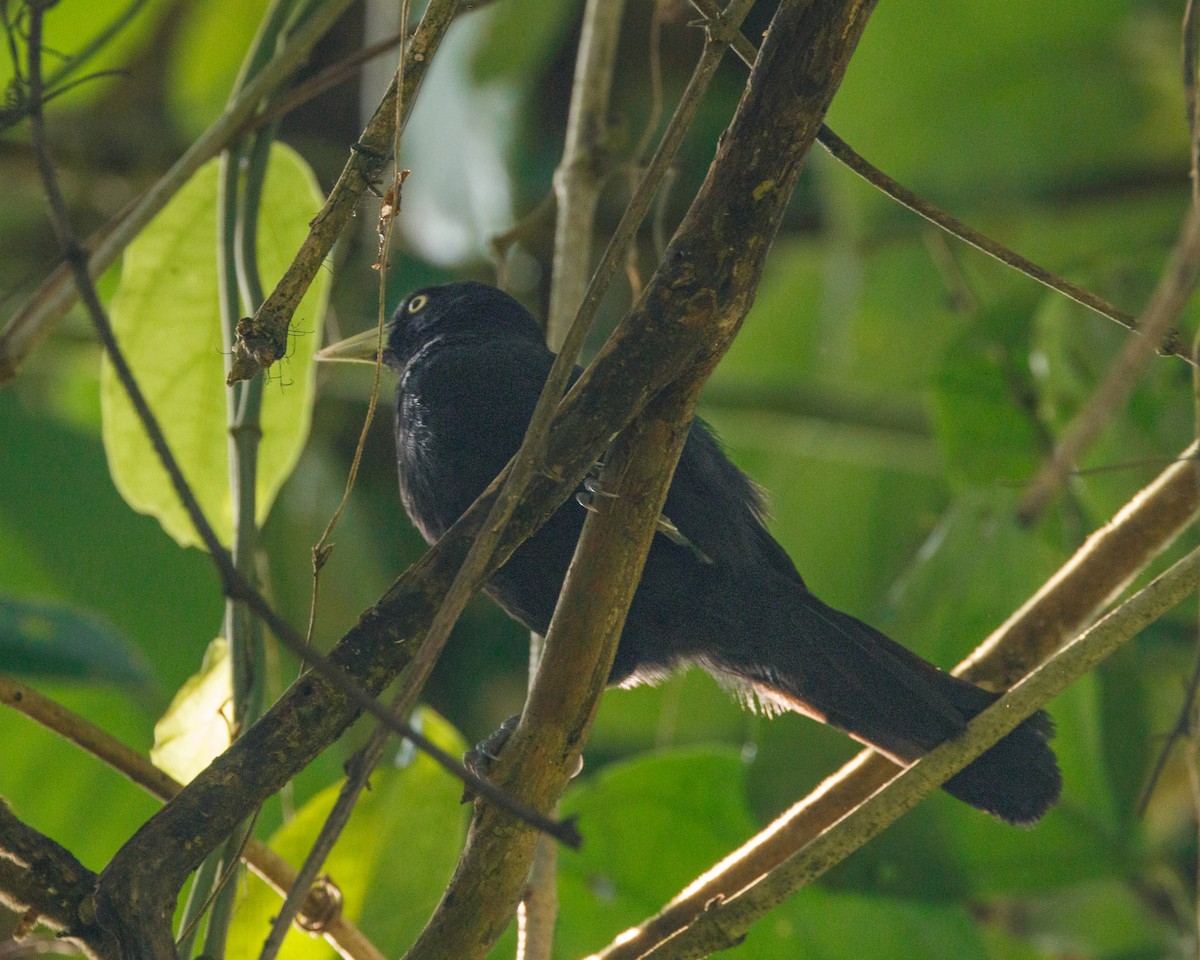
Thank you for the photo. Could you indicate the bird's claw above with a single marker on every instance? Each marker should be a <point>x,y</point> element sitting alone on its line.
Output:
<point>675,535</point>
<point>586,497</point>
<point>480,758</point>
<point>591,488</point>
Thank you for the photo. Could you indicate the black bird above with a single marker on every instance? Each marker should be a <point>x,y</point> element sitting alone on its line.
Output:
<point>717,590</point>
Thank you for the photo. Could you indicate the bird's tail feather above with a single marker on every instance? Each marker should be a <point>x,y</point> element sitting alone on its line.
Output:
<point>816,660</point>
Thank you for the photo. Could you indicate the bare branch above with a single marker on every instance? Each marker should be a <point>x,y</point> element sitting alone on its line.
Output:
<point>1065,604</point>
<point>45,882</point>
<point>725,923</point>
<point>341,934</point>
<point>1174,289</point>
<point>262,339</point>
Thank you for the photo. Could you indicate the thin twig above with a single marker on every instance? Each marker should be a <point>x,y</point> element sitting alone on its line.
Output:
<point>233,583</point>
<point>332,76</point>
<point>726,922</point>
<point>50,302</point>
<point>1174,288</point>
<point>1172,344</point>
<point>274,871</point>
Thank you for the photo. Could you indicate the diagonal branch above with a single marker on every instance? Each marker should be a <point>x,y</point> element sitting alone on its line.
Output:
<point>692,308</point>
<point>1065,604</point>
<point>45,882</point>
<point>262,339</point>
<point>726,923</point>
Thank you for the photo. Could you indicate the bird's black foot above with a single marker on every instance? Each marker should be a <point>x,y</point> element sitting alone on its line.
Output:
<point>590,488</point>
<point>480,758</point>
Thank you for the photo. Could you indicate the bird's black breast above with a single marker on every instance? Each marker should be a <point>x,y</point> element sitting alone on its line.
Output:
<point>461,414</point>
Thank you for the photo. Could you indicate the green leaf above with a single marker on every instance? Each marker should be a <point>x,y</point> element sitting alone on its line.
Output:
<point>59,640</point>
<point>196,727</point>
<point>650,827</point>
<point>70,27</point>
<point>167,322</point>
<point>820,925</point>
<point>982,401</point>
<point>390,864</point>
<point>204,64</point>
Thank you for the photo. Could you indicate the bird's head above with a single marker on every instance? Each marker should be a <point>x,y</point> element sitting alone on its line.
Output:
<point>453,311</point>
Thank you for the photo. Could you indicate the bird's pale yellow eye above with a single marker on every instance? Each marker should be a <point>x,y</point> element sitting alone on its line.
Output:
<point>417,303</point>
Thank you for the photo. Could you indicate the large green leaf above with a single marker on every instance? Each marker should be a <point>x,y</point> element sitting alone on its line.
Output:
<point>391,862</point>
<point>650,826</point>
<point>653,825</point>
<point>198,724</point>
<point>166,319</point>
<point>60,640</point>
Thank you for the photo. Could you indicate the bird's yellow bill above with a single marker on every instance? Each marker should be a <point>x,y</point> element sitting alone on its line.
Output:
<point>361,348</point>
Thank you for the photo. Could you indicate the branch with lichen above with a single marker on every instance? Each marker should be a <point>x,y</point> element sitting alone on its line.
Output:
<point>43,881</point>
<point>690,312</point>
<point>1065,605</point>
<point>262,339</point>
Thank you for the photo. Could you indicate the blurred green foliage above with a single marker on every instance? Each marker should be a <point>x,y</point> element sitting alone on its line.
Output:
<point>891,390</point>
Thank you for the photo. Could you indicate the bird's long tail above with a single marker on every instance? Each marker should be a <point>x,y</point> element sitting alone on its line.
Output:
<point>813,659</point>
